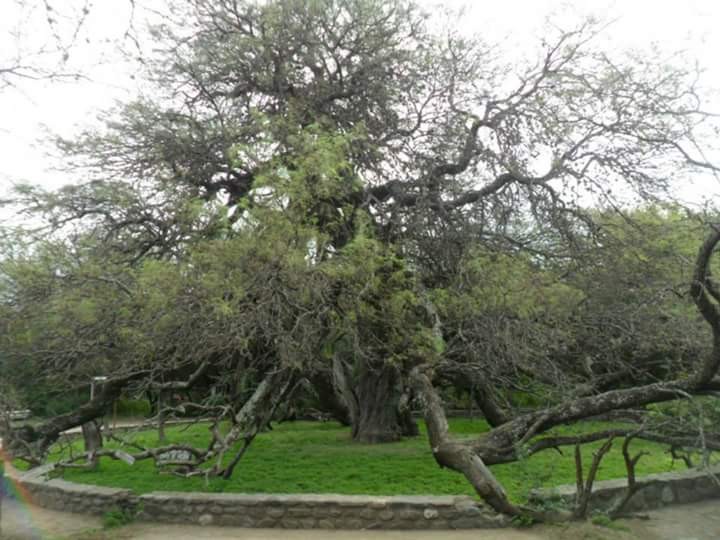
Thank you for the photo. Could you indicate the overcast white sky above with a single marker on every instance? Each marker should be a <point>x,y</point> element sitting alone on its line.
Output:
<point>66,108</point>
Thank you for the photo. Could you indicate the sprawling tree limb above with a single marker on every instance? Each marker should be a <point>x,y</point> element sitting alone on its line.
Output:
<point>470,377</point>
<point>700,289</point>
<point>158,454</point>
<point>584,488</point>
<point>634,486</point>
<point>183,385</point>
<point>254,415</point>
<point>502,443</point>
<point>33,442</point>
<point>456,456</point>
<point>328,397</point>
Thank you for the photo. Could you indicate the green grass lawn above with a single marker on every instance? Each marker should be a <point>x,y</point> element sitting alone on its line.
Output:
<point>314,457</point>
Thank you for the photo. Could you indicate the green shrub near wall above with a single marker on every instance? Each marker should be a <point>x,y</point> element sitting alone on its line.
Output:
<point>133,407</point>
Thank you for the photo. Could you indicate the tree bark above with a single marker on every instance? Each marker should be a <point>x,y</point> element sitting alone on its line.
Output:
<point>254,415</point>
<point>161,417</point>
<point>328,398</point>
<point>377,402</point>
<point>92,437</point>
<point>455,455</point>
<point>487,402</point>
<point>470,378</point>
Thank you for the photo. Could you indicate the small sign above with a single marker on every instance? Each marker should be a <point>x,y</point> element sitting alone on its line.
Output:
<point>22,414</point>
<point>124,456</point>
<point>172,456</point>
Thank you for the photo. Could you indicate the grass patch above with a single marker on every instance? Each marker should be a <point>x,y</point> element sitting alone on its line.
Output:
<point>603,520</point>
<point>313,457</point>
<point>116,518</point>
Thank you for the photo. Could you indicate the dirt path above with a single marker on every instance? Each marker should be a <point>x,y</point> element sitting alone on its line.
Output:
<point>699,521</point>
<point>25,522</point>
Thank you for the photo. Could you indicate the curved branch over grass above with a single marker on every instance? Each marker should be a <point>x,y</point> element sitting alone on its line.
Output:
<point>502,444</point>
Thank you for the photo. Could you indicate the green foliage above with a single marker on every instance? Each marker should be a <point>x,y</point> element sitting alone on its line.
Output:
<point>528,400</point>
<point>637,306</point>
<point>523,521</point>
<point>603,520</point>
<point>133,407</point>
<point>113,519</point>
<point>46,401</point>
<point>511,284</point>
<point>380,313</point>
<point>506,309</point>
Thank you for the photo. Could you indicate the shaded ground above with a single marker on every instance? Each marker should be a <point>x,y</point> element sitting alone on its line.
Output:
<point>700,521</point>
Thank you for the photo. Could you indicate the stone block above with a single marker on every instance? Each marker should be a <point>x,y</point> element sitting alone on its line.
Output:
<point>386,515</point>
<point>637,503</point>
<point>687,495</point>
<point>467,509</point>
<point>351,524</point>
<point>332,511</point>
<point>707,487</point>
<point>307,523</point>
<point>215,509</point>
<point>206,520</point>
<point>278,512</point>
<point>464,523</point>
<point>290,523</point>
<point>667,495</point>
<point>435,525</point>
<point>228,520</point>
<point>409,514</point>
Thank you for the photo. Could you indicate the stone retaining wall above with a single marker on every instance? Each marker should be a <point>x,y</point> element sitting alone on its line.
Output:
<point>319,511</point>
<point>286,511</point>
<point>341,511</point>
<point>661,489</point>
<point>57,494</point>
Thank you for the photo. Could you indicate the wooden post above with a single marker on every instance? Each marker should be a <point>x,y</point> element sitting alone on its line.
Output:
<point>161,417</point>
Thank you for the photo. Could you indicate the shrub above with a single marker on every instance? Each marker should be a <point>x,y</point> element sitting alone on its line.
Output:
<point>133,407</point>
<point>117,518</point>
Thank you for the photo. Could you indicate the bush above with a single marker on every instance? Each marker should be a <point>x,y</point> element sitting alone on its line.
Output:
<point>117,518</point>
<point>52,405</point>
<point>133,407</point>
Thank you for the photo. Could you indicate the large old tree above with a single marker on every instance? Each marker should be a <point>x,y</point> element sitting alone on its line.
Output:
<point>324,190</point>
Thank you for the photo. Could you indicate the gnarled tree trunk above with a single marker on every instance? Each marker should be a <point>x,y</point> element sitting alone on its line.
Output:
<point>456,455</point>
<point>377,401</point>
<point>92,437</point>
<point>254,415</point>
